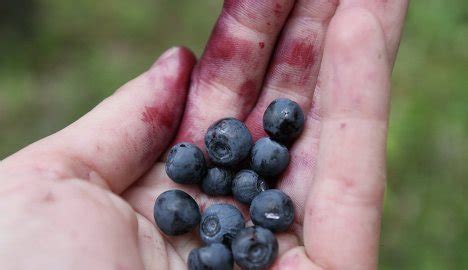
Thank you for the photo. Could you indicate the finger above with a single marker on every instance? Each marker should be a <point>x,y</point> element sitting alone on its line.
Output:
<point>342,216</point>
<point>304,162</point>
<point>293,74</point>
<point>121,138</point>
<point>295,65</point>
<point>391,15</point>
<point>230,73</point>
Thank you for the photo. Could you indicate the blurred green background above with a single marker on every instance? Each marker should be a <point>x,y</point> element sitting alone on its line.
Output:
<point>59,58</point>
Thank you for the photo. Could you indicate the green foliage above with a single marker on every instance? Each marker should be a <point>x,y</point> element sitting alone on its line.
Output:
<point>75,53</point>
<point>426,218</point>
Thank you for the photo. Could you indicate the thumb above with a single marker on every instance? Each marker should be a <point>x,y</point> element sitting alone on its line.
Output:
<point>115,143</point>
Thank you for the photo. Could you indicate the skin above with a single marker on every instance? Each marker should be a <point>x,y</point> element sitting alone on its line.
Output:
<point>88,199</point>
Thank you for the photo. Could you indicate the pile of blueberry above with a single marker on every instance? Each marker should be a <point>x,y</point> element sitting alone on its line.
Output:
<point>222,226</point>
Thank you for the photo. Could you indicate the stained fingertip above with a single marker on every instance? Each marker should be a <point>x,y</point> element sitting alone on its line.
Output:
<point>170,75</point>
<point>263,16</point>
<point>180,53</point>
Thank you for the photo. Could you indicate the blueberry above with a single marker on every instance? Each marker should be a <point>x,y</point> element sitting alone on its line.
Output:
<point>255,248</point>
<point>228,142</point>
<point>283,120</point>
<point>185,164</point>
<point>214,257</point>
<point>246,185</point>
<point>220,223</point>
<point>217,182</point>
<point>269,158</point>
<point>175,212</point>
<point>272,209</point>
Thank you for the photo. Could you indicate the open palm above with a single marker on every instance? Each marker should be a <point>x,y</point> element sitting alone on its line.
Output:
<point>85,195</point>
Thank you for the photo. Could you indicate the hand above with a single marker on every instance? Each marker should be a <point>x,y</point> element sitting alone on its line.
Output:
<point>83,198</point>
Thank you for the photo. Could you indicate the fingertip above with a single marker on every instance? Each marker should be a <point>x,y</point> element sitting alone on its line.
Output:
<point>178,54</point>
<point>173,70</point>
<point>355,30</point>
<point>185,56</point>
<point>356,67</point>
<point>185,52</point>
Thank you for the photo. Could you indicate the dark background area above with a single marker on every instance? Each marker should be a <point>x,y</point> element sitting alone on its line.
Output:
<point>60,58</point>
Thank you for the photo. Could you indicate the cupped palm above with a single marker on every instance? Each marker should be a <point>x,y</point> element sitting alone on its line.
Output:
<point>334,59</point>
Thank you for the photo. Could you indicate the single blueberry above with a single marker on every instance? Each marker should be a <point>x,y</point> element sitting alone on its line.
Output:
<point>220,223</point>
<point>246,185</point>
<point>214,257</point>
<point>217,182</point>
<point>272,209</point>
<point>269,158</point>
<point>283,120</point>
<point>175,212</point>
<point>255,248</point>
<point>185,164</point>
<point>228,142</point>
